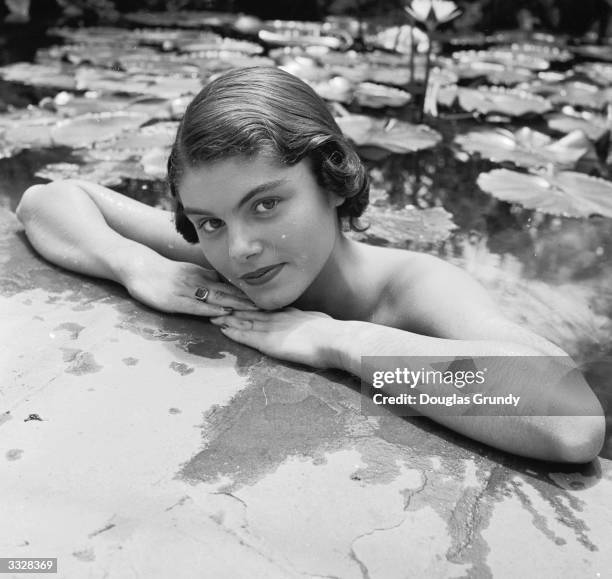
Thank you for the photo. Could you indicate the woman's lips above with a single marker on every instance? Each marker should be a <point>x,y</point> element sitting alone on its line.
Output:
<point>264,277</point>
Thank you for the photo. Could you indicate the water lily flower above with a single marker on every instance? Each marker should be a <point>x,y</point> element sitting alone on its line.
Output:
<point>432,13</point>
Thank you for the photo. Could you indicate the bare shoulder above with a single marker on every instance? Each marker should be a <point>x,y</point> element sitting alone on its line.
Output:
<point>427,295</point>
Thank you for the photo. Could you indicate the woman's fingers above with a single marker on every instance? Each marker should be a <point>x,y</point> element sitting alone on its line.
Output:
<point>259,315</point>
<point>197,308</point>
<point>233,322</point>
<point>219,295</point>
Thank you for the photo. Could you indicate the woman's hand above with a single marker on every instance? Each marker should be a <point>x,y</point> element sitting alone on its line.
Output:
<point>170,286</point>
<point>289,334</point>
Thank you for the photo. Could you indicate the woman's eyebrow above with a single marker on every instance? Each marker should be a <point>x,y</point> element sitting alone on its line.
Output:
<point>261,188</point>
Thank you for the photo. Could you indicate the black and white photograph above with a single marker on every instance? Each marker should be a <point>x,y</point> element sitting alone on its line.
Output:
<point>303,289</point>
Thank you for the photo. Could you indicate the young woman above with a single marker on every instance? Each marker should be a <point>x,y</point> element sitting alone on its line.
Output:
<point>263,179</point>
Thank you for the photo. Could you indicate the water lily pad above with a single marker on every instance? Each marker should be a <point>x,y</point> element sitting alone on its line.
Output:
<point>135,142</point>
<point>305,68</point>
<point>103,172</point>
<point>599,72</point>
<point>495,72</point>
<point>182,18</point>
<point>48,75</point>
<point>506,57</point>
<point>405,227</point>
<point>87,129</point>
<point>565,193</point>
<point>296,38</point>
<point>505,101</point>
<point>389,134</point>
<point>373,95</point>
<point>215,42</point>
<point>336,89</point>
<point>93,54</point>
<point>25,131</point>
<point>467,39</point>
<point>158,64</point>
<point>593,125</point>
<point>547,52</point>
<point>154,162</point>
<point>575,93</point>
<point>120,82</point>
<point>525,147</point>
<point>594,51</point>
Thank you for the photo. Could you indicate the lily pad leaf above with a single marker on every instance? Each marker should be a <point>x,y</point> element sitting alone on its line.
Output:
<point>599,72</point>
<point>373,95</point>
<point>505,101</point>
<point>103,172</point>
<point>136,142</point>
<point>495,72</point>
<point>503,56</point>
<point>335,89</point>
<point>576,93</point>
<point>525,147</point>
<point>405,227</point>
<point>48,75</point>
<point>543,51</point>
<point>566,193</point>
<point>594,51</point>
<point>87,129</point>
<point>389,134</point>
<point>120,82</point>
<point>593,125</point>
<point>182,18</point>
<point>287,34</point>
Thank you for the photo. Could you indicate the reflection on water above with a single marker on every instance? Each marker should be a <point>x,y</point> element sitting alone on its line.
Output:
<point>552,274</point>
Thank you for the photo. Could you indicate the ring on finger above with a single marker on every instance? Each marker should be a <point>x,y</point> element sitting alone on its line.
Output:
<point>202,294</point>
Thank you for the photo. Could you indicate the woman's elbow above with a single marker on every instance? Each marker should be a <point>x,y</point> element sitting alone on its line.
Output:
<point>580,438</point>
<point>30,200</point>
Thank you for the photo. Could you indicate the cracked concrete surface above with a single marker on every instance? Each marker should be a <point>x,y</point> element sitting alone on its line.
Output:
<point>165,450</point>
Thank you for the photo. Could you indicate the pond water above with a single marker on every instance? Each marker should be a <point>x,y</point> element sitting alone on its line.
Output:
<point>550,272</point>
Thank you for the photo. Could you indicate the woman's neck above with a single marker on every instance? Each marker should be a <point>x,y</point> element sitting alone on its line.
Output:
<point>338,289</point>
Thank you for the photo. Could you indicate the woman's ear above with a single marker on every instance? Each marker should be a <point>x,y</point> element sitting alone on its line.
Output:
<point>336,200</point>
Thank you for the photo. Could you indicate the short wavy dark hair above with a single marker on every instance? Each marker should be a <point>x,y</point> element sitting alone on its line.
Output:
<point>254,110</point>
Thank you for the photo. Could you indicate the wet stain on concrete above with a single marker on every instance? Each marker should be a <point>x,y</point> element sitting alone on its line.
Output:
<point>180,368</point>
<point>80,362</point>
<point>85,555</point>
<point>129,361</point>
<point>5,417</point>
<point>278,415</point>
<point>33,417</point>
<point>285,411</point>
<point>102,530</point>
<point>14,454</point>
<point>72,328</point>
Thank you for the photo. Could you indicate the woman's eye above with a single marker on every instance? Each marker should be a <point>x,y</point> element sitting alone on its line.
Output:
<point>210,225</point>
<point>266,205</point>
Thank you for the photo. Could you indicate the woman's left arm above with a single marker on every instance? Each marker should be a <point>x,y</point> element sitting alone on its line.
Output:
<point>455,317</point>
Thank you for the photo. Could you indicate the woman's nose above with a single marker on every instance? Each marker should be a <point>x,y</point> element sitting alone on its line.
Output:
<point>243,244</point>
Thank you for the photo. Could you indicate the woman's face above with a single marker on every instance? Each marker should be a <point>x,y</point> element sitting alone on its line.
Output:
<point>252,214</point>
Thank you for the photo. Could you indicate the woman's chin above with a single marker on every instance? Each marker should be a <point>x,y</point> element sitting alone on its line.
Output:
<point>272,302</point>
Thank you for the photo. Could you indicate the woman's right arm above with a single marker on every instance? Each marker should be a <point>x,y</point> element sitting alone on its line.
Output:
<point>93,230</point>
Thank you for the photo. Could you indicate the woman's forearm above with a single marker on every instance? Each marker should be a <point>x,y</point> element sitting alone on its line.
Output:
<point>574,434</point>
<point>66,227</point>
<point>63,217</point>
